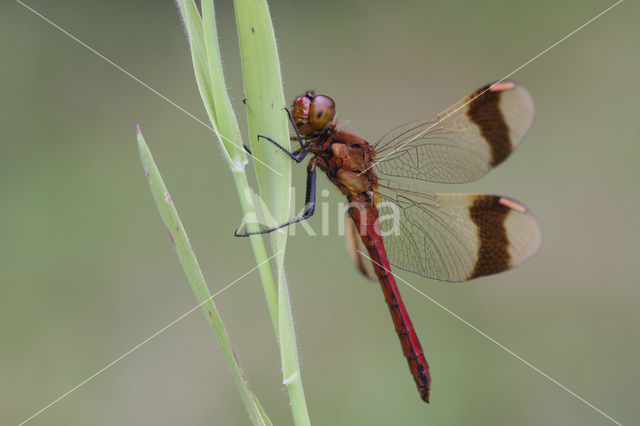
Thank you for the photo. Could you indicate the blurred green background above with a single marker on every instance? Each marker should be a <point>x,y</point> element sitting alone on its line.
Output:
<point>87,272</point>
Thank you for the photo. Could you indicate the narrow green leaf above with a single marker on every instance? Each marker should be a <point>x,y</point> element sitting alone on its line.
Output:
<point>210,78</point>
<point>180,241</point>
<point>265,107</point>
<point>226,118</point>
<point>195,33</point>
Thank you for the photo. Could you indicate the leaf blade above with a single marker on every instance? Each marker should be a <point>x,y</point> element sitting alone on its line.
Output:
<point>189,262</point>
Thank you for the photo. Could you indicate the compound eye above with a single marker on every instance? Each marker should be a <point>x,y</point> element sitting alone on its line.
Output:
<point>322,111</point>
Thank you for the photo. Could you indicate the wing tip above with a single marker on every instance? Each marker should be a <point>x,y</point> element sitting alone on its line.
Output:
<point>526,111</point>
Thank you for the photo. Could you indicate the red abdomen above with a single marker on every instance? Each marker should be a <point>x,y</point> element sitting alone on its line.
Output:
<point>365,216</point>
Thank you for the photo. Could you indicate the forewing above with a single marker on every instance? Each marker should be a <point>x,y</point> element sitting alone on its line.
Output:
<point>463,142</point>
<point>455,237</point>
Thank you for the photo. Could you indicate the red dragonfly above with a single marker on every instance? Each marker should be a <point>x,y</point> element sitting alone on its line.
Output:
<point>448,237</point>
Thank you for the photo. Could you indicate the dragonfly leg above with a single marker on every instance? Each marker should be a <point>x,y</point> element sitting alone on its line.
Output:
<point>298,137</point>
<point>309,204</point>
<point>296,156</point>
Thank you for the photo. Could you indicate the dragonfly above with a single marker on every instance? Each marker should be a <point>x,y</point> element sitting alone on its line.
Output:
<point>447,237</point>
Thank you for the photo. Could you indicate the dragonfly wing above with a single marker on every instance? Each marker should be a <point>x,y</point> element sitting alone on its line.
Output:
<point>463,142</point>
<point>355,247</point>
<point>456,237</point>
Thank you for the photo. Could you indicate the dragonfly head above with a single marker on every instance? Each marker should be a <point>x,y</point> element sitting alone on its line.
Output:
<point>313,113</point>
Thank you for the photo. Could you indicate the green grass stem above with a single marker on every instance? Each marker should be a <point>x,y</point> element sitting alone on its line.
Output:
<point>266,115</point>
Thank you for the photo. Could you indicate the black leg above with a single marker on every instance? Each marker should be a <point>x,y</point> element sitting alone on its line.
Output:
<point>246,148</point>
<point>309,205</point>
<point>296,157</point>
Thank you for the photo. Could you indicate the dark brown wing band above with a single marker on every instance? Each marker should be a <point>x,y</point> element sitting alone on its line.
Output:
<point>489,213</point>
<point>484,110</point>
